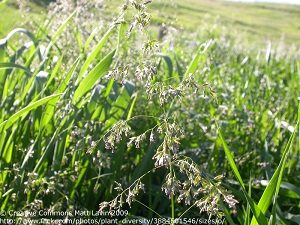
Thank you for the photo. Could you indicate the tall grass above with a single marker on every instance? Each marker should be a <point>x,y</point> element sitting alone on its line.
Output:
<point>161,129</point>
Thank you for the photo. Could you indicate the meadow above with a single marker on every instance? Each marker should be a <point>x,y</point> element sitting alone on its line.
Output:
<point>179,111</point>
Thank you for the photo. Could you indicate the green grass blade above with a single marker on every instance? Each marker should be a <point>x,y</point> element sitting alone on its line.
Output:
<point>179,69</point>
<point>247,214</point>
<point>80,178</point>
<point>168,62</point>
<point>94,53</point>
<point>122,33</point>
<point>62,87</point>
<point>197,58</point>
<point>50,108</point>
<point>62,27</point>
<point>255,209</point>
<point>273,187</point>
<point>8,65</point>
<point>131,107</point>
<point>59,31</point>
<point>9,122</point>
<point>7,152</point>
<point>4,41</point>
<point>120,106</point>
<point>89,81</point>
<point>90,39</point>
<point>231,160</point>
<point>55,71</point>
<point>109,87</point>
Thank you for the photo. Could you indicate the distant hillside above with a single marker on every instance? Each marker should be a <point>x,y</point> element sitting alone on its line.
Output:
<point>252,22</point>
<point>259,22</point>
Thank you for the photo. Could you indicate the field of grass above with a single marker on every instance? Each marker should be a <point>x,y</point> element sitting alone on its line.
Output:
<point>102,116</point>
<point>253,23</point>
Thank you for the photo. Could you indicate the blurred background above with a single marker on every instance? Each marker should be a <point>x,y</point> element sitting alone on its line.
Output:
<point>253,21</point>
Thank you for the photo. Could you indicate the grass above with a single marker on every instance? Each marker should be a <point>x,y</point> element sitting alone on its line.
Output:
<point>194,126</point>
<point>253,23</point>
<point>12,17</point>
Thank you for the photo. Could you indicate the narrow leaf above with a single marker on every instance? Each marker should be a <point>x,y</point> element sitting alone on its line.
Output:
<point>8,123</point>
<point>255,209</point>
<point>195,62</point>
<point>274,185</point>
<point>94,53</point>
<point>90,80</point>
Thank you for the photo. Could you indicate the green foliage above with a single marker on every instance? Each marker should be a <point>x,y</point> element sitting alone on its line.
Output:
<point>119,119</point>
